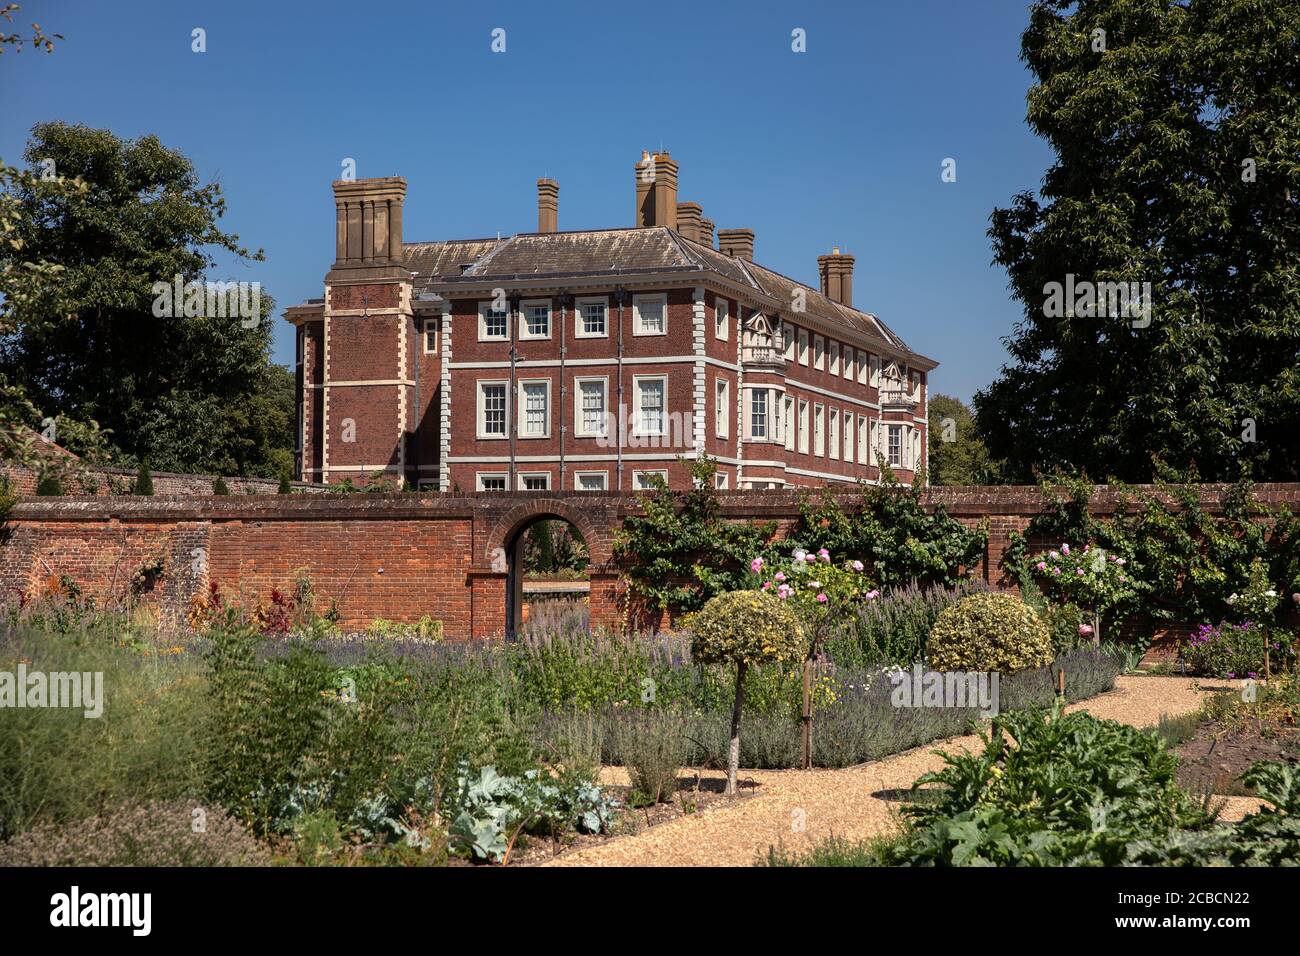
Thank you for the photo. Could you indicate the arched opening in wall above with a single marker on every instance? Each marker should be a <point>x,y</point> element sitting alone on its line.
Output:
<point>547,583</point>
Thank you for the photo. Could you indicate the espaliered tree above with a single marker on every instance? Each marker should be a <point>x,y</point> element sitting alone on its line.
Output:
<point>1176,129</point>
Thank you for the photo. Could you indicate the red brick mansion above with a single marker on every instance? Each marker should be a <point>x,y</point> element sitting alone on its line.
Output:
<point>593,360</point>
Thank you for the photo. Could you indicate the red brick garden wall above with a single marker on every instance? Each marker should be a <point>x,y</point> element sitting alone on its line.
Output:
<point>393,556</point>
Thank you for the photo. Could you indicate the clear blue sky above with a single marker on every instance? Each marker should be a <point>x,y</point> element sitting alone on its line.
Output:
<point>840,145</point>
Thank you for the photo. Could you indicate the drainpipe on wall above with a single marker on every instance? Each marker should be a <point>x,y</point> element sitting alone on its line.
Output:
<point>621,295</point>
<point>512,407</point>
<point>564,381</point>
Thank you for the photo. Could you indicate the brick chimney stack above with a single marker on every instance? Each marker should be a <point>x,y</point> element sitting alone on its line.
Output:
<point>836,272</point>
<point>689,220</point>
<point>368,227</point>
<point>656,190</point>
<point>548,205</point>
<point>738,243</point>
<point>706,232</point>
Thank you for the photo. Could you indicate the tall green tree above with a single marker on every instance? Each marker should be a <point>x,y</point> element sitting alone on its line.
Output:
<point>1176,129</point>
<point>188,392</point>
<point>958,455</point>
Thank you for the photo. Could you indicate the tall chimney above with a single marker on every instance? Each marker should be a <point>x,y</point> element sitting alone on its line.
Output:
<point>665,191</point>
<point>836,272</point>
<point>706,232</point>
<point>738,243</point>
<point>656,190</point>
<point>689,219</point>
<point>368,226</point>
<point>645,180</point>
<point>548,205</point>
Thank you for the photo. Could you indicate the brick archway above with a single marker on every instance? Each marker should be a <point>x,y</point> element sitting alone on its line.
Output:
<point>593,527</point>
<point>505,547</point>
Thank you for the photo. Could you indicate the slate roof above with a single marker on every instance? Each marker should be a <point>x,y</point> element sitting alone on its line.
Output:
<point>628,251</point>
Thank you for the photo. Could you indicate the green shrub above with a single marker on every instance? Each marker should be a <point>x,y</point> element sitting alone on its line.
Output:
<point>150,834</point>
<point>57,765</point>
<point>652,746</point>
<point>49,485</point>
<point>1063,790</point>
<point>219,486</point>
<point>1236,650</point>
<point>285,488</point>
<point>143,481</point>
<point>989,632</point>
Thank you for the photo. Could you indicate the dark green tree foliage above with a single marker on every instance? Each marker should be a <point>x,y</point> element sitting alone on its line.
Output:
<point>957,455</point>
<point>889,528</point>
<point>219,486</point>
<point>143,481</point>
<point>1177,137</point>
<point>285,488</point>
<point>191,394</point>
<point>681,552</point>
<point>49,485</point>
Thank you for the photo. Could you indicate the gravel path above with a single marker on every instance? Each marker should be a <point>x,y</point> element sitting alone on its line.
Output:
<point>847,802</point>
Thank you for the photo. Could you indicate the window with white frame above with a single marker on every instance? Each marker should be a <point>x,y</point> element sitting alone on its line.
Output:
<point>864,364</point>
<point>490,482</point>
<point>835,359</point>
<point>722,407</point>
<point>722,319</point>
<point>430,336</point>
<point>644,480</point>
<point>848,362</point>
<point>848,436</point>
<point>803,426</point>
<point>803,346</point>
<point>788,337</point>
<point>492,421</point>
<point>787,416</point>
<point>590,412</point>
<point>493,323</point>
<point>649,315</point>
<point>758,413</point>
<point>894,454</point>
<point>537,481</point>
<point>535,408</point>
<point>864,441</point>
<point>720,480</point>
<point>592,318</point>
<point>875,370</point>
<point>833,438</point>
<point>650,396</point>
<point>590,480</point>
<point>535,319</point>
<point>819,429</point>
<point>819,352</point>
<point>916,448</point>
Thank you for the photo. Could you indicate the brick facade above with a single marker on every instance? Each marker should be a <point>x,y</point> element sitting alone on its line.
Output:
<point>412,341</point>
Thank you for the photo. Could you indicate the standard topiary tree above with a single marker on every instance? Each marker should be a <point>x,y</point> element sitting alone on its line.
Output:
<point>143,481</point>
<point>219,486</point>
<point>744,629</point>
<point>989,632</point>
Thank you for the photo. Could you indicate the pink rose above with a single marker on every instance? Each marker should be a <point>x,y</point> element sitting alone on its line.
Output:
<point>1042,565</point>
<point>756,565</point>
<point>1085,630</point>
<point>857,566</point>
<point>1065,549</point>
<point>824,555</point>
<point>780,575</point>
<point>821,599</point>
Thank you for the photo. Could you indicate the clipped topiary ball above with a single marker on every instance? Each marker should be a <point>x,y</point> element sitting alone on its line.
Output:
<point>989,632</point>
<point>746,627</point>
